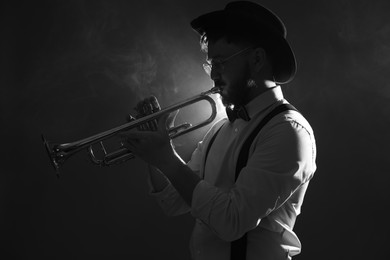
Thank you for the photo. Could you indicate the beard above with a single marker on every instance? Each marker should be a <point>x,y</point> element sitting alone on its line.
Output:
<point>235,92</point>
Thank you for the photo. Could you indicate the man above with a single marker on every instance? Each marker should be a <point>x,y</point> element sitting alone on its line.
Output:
<point>245,212</point>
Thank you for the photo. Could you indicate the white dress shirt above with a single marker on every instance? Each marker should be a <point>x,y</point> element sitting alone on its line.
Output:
<point>268,193</point>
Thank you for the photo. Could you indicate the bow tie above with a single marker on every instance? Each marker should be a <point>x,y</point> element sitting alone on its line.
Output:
<point>237,112</point>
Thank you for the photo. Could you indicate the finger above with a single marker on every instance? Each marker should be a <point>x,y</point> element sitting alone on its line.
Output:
<point>162,122</point>
<point>139,109</point>
<point>171,119</point>
<point>144,108</point>
<point>131,144</point>
<point>155,108</point>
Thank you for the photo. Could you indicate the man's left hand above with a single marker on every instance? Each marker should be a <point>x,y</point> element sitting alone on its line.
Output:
<point>154,147</point>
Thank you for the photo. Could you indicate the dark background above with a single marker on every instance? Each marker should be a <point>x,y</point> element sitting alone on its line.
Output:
<point>70,69</point>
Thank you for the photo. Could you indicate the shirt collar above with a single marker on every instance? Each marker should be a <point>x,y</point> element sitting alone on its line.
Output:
<point>264,100</point>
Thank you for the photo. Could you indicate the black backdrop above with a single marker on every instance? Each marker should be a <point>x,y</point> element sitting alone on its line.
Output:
<point>70,69</point>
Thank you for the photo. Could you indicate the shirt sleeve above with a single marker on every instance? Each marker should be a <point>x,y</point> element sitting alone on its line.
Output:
<point>279,163</point>
<point>169,199</point>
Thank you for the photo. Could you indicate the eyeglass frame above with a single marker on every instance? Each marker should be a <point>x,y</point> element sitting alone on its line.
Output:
<point>220,62</point>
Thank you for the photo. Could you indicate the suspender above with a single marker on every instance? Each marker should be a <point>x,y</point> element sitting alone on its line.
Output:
<point>243,156</point>
<point>238,247</point>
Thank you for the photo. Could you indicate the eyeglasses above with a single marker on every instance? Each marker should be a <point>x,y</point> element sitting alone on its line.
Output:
<point>219,63</point>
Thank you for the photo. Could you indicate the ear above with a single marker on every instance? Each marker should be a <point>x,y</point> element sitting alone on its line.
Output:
<point>259,59</point>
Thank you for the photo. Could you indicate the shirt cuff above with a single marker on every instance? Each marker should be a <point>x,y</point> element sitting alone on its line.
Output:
<point>165,193</point>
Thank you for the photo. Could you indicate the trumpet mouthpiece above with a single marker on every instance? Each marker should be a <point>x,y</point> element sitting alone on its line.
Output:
<point>214,90</point>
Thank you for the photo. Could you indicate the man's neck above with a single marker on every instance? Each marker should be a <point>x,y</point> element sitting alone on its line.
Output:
<point>258,89</point>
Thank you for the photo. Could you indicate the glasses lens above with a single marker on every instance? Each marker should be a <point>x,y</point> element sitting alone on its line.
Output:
<point>207,68</point>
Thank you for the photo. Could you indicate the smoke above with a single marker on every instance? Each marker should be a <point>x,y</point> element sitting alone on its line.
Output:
<point>72,68</point>
<point>71,56</point>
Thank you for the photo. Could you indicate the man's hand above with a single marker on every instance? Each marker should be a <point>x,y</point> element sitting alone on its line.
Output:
<point>154,147</point>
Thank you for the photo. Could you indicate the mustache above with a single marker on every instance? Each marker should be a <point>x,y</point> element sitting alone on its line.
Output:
<point>219,83</point>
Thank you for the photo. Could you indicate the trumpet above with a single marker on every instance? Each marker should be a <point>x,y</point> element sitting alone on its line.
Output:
<point>59,153</point>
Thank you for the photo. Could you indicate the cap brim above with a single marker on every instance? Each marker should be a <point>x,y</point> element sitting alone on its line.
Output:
<point>285,65</point>
<point>203,23</point>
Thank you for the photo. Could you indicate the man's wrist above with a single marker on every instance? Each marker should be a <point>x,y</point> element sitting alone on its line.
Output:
<point>170,163</point>
<point>181,177</point>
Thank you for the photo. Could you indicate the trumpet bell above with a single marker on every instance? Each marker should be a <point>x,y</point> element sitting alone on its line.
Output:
<point>57,158</point>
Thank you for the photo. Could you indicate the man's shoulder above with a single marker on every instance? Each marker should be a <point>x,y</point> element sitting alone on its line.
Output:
<point>289,120</point>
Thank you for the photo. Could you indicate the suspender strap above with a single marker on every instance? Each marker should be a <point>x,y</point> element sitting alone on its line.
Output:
<point>238,247</point>
<point>243,156</point>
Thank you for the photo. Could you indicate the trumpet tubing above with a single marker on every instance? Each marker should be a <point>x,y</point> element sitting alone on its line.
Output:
<point>59,153</point>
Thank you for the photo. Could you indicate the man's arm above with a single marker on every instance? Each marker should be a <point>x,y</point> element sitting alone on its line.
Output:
<point>156,148</point>
<point>182,178</point>
<point>157,179</point>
